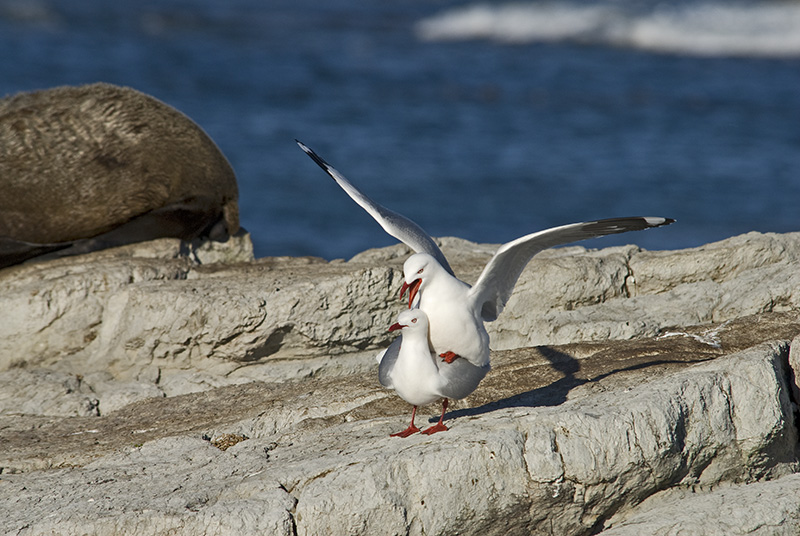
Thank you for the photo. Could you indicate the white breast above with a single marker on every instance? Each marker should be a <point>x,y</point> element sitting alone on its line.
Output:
<point>415,376</point>
<point>454,325</point>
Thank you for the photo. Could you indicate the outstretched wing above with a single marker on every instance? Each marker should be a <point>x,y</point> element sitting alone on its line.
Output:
<point>496,282</point>
<point>393,223</point>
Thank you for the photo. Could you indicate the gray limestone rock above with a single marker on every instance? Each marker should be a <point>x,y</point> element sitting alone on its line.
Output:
<point>113,395</point>
<point>558,440</point>
<point>160,309</point>
<point>51,313</point>
<point>46,392</point>
<point>770,508</point>
<point>627,293</point>
<point>177,485</point>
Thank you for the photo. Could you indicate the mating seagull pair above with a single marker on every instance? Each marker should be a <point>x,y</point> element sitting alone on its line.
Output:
<point>443,350</point>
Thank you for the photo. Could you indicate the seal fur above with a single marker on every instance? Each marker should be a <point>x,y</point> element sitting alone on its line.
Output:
<point>86,167</point>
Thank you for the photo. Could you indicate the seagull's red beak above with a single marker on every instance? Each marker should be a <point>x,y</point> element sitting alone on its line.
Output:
<point>413,288</point>
<point>395,327</point>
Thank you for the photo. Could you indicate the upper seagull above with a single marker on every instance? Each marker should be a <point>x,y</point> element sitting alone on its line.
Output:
<point>456,312</point>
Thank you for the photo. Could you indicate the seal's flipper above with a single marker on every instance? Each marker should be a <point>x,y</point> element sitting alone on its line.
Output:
<point>14,251</point>
<point>186,219</point>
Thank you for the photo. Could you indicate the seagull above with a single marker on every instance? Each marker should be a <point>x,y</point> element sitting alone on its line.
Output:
<point>457,311</point>
<point>410,368</point>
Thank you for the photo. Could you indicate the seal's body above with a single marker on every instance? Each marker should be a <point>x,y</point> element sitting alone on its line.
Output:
<point>110,164</point>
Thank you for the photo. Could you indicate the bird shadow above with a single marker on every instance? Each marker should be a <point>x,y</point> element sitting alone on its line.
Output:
<point>554,394</point>
<point>548,395</point>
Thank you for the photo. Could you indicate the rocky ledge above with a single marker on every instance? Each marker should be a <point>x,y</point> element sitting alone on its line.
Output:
<point>172,387</point>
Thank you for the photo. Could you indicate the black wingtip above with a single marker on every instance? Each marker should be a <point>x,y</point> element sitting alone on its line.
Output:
<point>623,225</point>
<point>654,223</point>
<point>642,222</point>
<point>314,156</point>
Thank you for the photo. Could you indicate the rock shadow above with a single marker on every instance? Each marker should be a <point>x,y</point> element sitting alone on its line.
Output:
<point>555,393</point>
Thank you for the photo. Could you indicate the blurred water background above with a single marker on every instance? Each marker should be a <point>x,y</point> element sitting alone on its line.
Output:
<point>485,121</point>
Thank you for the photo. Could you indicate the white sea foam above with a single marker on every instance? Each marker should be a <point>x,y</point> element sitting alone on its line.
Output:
<point>758,29</point>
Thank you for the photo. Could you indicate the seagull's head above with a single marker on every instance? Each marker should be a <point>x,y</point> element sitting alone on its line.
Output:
<point>412,319</point>
<point>418,269</point>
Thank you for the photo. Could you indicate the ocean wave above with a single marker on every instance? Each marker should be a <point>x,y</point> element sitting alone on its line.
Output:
<point>711,29</point>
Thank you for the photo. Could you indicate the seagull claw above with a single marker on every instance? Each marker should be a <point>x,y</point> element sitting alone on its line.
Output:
<point>408,431</point>
<point>449,357</point>
<point>438,427</point>
<point>411,428</point>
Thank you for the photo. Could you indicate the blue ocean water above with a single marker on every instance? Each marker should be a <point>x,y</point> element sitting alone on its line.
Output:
<point>485,121</point>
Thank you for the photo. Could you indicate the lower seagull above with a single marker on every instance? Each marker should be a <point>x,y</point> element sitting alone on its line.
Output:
<point>410,368</point>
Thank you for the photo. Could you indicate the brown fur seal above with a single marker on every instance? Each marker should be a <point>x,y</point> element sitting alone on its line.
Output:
<point>100,165</point>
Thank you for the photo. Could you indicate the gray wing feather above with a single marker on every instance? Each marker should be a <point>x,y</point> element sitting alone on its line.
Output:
<point>393,223</point>
<point>388,361</point>
<point>460,378</point>
<point>496,282</point>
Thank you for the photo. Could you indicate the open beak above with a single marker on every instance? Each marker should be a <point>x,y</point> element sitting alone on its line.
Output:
<point>395,327</point>
<point>413,288</point>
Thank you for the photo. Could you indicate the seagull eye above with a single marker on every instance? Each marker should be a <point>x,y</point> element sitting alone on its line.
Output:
<point>420,270</point>
<point>413,320</point>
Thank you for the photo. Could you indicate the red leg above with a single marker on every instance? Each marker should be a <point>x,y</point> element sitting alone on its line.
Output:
<point>439,426</point>
<point>411,428</point>
<point>449,357</point>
